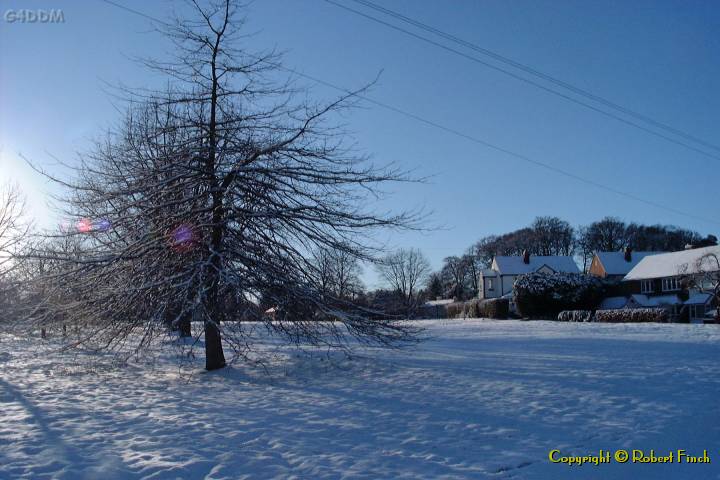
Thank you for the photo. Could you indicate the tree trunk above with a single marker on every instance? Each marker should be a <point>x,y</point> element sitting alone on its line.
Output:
<point>185,327</point>
<point>214,356</point>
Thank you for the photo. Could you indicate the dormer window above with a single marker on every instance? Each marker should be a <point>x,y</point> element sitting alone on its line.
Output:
<point>646,286</point>
<point>670,284</point>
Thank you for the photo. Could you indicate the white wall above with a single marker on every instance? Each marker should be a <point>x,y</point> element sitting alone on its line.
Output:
<point>485,283</point>
<point>508,281</point>
<point>504,281</point>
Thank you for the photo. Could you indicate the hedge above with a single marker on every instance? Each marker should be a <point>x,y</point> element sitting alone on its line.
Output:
<point>539,295</point>
<point>575,316</point>
<point>496,308</point>
<point>632,315</point>
<point>455,310</point>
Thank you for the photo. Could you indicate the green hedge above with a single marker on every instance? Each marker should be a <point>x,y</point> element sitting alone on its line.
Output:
<point>539,295</point>
<point>455,310</point>
<point>496,308</point>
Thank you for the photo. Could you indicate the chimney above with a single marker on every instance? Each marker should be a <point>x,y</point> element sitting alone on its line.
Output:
<point>628,254</point>
<point>526,257</point>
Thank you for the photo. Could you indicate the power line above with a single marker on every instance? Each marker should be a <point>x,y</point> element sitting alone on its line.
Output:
<point>457,132</point>
<point>534,83</point>
<point>533,71</point>
<point>136,12</point>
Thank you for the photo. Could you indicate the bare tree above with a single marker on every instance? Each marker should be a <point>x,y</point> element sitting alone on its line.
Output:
<point>347,274</point>
<point>664,238</point>
<point>434,286</point>
<point>13,225</point>
<point>552,236</point>
<point>485,250</point>
<point>13,231</point>
<point>607,235</point>
<point>704,275</point>
<point>225,182</point>
<point>404,271</point>
<point>42,280</point>
<point>337,273</point>
<point>585,247</point>
<point>475,260</point>
<point>454,276</point>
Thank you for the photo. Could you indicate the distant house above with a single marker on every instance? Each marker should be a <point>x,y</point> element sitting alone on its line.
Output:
<point>497,281</point>
<point>661,280</point>
<point>615,265</point>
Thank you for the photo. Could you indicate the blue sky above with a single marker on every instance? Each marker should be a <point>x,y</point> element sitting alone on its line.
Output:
<point>658,58</point>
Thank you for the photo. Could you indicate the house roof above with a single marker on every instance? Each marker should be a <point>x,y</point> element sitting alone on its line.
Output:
<point>507,265</point>
<point>698,298</point>
<point>614,263</point>
<point>435,303</point>
<point>674,264</point>
<point>488,272</point>
<point>613,303</point>
<point>659,301</point>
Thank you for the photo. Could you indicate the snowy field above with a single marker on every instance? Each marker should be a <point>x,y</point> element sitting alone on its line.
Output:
<point>479,399</point>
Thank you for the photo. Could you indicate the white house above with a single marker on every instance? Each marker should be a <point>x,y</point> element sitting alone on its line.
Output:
<point>497,281</point>
<point>675,264</point>
<point>661,281</point>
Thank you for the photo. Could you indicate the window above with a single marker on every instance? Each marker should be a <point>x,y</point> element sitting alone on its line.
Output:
<point>490,284</point>
<point>646,286</point>
<point>670,284</point>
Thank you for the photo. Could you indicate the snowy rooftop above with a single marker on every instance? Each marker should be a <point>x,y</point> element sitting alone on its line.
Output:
<point>659,301</point>
<point>616,303</point>
<point>698,298</point>
<point>515,266</point>
<point>613,303</point>
<point>674,263</point>
<point>614,263</point>
<point>435,303</point>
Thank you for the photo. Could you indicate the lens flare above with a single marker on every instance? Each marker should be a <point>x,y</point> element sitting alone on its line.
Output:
<point>182,238</point>
<point>84,225</point>
<point>102,225</point>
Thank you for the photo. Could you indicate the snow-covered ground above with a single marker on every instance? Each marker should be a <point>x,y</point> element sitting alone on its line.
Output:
<point>479,399</point>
